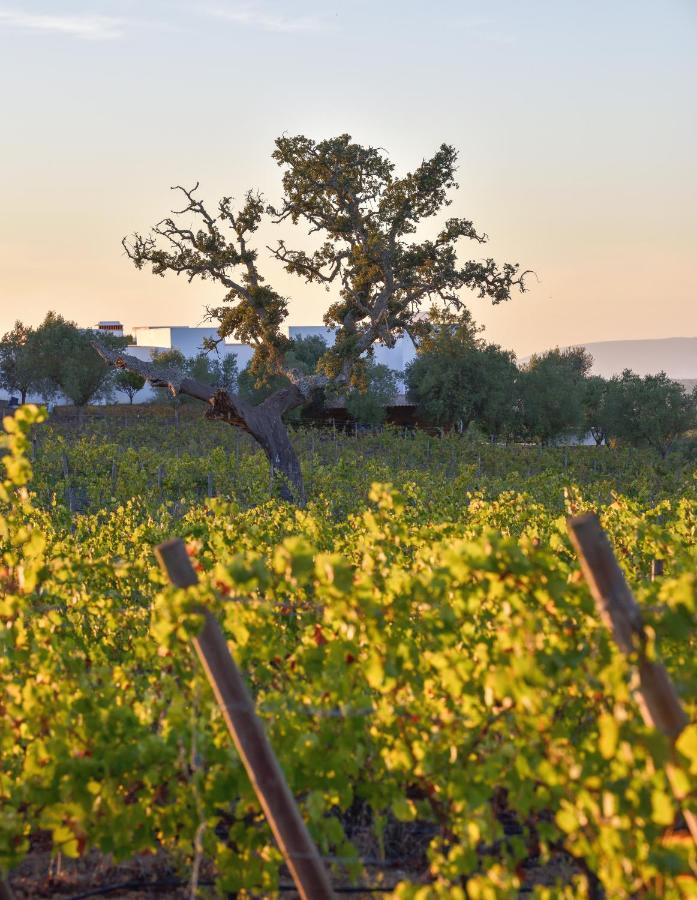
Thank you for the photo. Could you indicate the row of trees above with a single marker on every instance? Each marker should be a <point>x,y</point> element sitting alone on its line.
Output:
<point>54,359</point>
<point>459,380</point>
<point>58,359</point>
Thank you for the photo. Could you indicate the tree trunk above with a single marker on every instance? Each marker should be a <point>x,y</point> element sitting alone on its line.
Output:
<point>598,436</point>
<point>271,433</point>
<point>265,424</point>
<point>23,395</point>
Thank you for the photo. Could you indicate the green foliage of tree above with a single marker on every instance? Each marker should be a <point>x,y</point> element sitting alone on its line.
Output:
<point>652,411</point>
<point>17,368</point>
<point>457,379</point>
<point>367,404</point>
<point>226,372</point>
<point>129,383</point>
<point>595,408</point>
<point>446,331</point>
<point>305,353</point>
<point>201,367</point>
<point>64,357</point>
<point>552,392</point>
<point>302,356</point>
<point>366,217</point>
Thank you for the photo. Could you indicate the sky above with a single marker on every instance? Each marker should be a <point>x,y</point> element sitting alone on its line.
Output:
<point>575,122</point>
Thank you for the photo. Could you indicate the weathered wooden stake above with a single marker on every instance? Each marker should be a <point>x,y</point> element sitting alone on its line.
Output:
<point>247,731</point>
<point>656,569</point>
<point>654,691</point>
<point>68,487</point>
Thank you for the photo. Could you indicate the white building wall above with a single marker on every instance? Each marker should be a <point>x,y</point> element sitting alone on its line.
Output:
<point>190,340</point>
<point>150,340</point>
<point>243,352</point>
<point>305,331</point>
<point>396,357</point>
<point>147,336</point>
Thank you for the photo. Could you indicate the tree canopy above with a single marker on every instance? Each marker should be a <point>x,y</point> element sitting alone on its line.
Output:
<point>129,383</point>
<point>651,411</point>
<point>552,392</point>
<point>17,368</point>
<point>367,404</point>
<point>349,199</point>
<point>366,216</point>
<point>56,357</point>
<point>458,379</point>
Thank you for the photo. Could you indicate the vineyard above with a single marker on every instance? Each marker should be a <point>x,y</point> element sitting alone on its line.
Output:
<point>448,709</point>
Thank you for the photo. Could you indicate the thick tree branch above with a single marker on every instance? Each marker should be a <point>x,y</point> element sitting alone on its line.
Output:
<point>175,382</point>
<point>223,405</point>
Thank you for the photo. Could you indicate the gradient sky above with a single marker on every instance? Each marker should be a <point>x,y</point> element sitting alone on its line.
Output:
<point>576,122</point>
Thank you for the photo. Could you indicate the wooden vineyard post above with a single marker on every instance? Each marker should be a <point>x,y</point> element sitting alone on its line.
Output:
<point>655,693</point>
<point>656,569</point>
<point>66,477</point>
<point>237,706</point>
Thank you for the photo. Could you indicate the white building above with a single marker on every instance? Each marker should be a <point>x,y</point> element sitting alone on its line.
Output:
<point>112,327</point>
<point>395,358</point>
<point>151,339</point>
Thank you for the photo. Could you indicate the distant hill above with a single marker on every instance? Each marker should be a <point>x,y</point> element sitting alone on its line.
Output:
<point>677,357</point>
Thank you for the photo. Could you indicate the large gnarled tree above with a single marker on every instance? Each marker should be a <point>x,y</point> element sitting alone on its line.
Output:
<point>366,218</point>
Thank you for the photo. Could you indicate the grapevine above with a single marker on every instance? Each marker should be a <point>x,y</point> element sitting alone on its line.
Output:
<point>422,649</point>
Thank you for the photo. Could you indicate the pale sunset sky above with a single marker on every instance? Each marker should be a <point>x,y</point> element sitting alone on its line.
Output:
<point>576,123</point>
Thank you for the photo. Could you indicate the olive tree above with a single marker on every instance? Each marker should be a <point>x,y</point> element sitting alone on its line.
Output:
<point>551,389</point>
<point>129,383</point>
<point>363,217</point>
<point>64,357</point>
<point>650,411</point>
<point>17,366</point>
<point>367,404</point>
<point>458,379</point>
<point>596,394</point>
